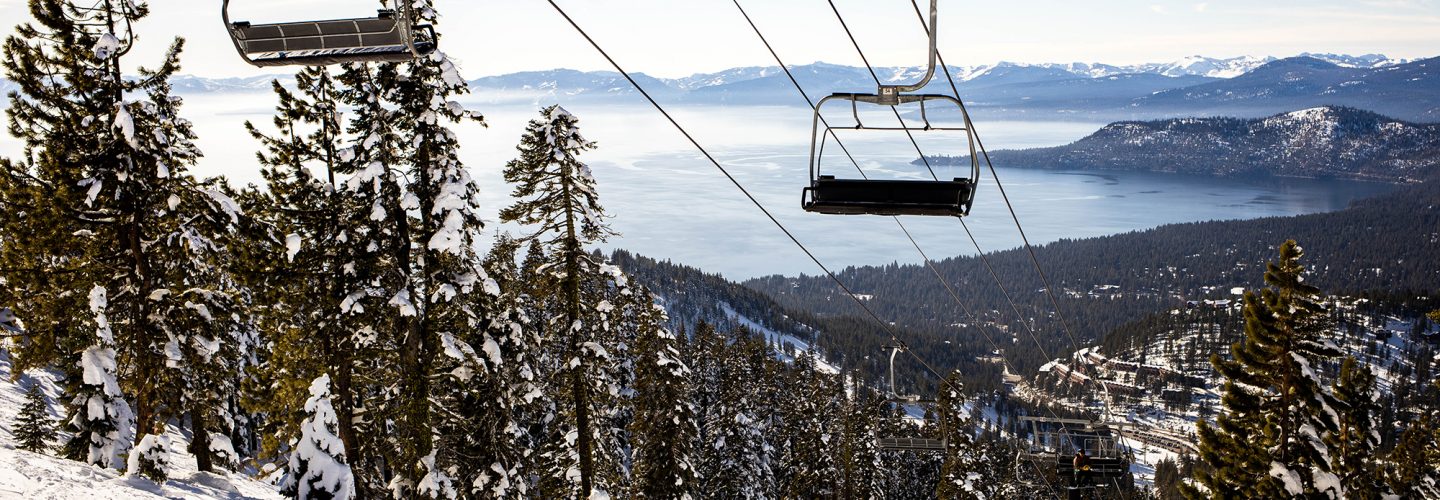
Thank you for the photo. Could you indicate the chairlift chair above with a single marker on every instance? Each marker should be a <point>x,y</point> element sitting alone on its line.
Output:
<point>828,194</point>
<point>1108,462</point>
<point>390,36</point>
<point>912,444</point>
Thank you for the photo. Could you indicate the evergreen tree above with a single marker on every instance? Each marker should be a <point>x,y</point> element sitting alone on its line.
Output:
<point>861,465</point>
<point>58,113</point>
<point>732,383</point>
<point>489,394</point>
<point>33,428</point>
<point>808,467</point>
<point>1355,443</point>
<point>318,469</point>
<point>1167,480</point>
<point>974,467</point>
<point>664,428</point>
<point>100,422</point>
<point>307,251</point>
<point>140,224</point>
<point>1268,441</point>
<point>556,197</point>
<point>151,457</point>
<point>1412,467</point>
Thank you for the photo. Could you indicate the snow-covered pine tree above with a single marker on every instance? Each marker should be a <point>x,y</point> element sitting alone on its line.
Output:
<point>489,396</point>
<point>961,475</point>
<point>141,225</point>
<point>33,429</point>
<point>100,423</point>
<point>1355,442</point>
<point>1412,467</point>
<point>309,252</point>
<point>861,465</point>
<point>150,458</point>
<point>664,428</point>
<point>1268,441</point>
<point>808,433</point>
<point>59,114</point>
<point>556,197</point>
<point>318,469</point>
<point>733,381</point>
<point>417,235</point>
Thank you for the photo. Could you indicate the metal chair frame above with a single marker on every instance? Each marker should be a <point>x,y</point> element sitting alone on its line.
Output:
<point>409,46</point>
<point>909,444</point>
<point>963,188</point>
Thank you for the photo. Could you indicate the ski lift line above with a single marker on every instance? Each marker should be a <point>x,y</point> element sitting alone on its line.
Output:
<point>883,89</point>
<point>925,257</point>
<point>950,289</point>
<point>953,294</point>
<point>796,82</point>
<point>845,288</point>
<point>1049,289</point>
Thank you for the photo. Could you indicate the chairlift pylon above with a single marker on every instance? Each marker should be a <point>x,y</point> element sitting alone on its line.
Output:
<point>828,194</point>
<point>390,36</point>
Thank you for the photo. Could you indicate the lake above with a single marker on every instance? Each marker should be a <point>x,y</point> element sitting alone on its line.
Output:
<point>668,202</point>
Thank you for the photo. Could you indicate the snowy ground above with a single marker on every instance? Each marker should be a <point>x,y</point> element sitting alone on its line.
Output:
<point>37,476</point>
<point>776,338</point>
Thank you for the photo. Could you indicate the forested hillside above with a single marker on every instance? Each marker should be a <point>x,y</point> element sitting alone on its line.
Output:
<point>1385,243</point>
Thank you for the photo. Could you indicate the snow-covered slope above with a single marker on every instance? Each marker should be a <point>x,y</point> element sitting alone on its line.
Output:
<point>35,476</point>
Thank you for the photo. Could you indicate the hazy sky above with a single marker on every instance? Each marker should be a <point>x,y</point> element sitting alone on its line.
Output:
<point>671,38</point>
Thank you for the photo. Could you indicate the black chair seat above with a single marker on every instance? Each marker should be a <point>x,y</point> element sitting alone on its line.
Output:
<point>371,39</point>
<point>911,444</point>
<point>1100,468</point>
<point>829,195</point>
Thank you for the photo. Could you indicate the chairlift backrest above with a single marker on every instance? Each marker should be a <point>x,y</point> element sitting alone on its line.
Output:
<point>829,194</point>
<point>390,36</point>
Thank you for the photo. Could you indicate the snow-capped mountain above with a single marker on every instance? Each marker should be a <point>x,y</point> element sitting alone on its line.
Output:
<point>1409,90</point>
<point>190,84</point>
<point>1315,142</point>
<point>1239,86</point>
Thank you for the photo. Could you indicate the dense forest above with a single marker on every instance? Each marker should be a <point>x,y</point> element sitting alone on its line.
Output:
<point>1387,243</point>
<point>349,330</point>
<point>343,330</point>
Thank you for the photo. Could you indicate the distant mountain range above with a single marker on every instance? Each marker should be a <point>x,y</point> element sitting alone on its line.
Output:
<point>1316,142</point>
<point>1193,86</point>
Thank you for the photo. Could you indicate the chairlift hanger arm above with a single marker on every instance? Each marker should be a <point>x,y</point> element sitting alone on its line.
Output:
<point>893,90</point>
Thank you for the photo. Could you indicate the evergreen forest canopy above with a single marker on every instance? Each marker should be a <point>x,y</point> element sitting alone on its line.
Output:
<point>340,331</point>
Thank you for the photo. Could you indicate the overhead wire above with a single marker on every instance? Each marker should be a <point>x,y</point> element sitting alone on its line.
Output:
<point>839,283</point>
<point>925,258</point>
<point>875,76</point>
<point>888,328</point>
<point>1030,249</point>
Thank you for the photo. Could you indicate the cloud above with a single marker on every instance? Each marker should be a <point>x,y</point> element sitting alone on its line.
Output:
<point>1158,9</point>
<point>1202,6</point>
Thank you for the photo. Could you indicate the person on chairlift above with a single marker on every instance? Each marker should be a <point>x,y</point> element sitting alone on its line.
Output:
<point>1082,467</point>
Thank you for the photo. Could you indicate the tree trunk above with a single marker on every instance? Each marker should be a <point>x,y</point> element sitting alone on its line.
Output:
<point>200,442</point>
<point>578,384</point>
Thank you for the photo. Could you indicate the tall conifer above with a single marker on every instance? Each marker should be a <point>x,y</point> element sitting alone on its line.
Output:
<point>1268,441</point>
<point>556,197</point>
<point>664,428</point>
<point>1355,442</point>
